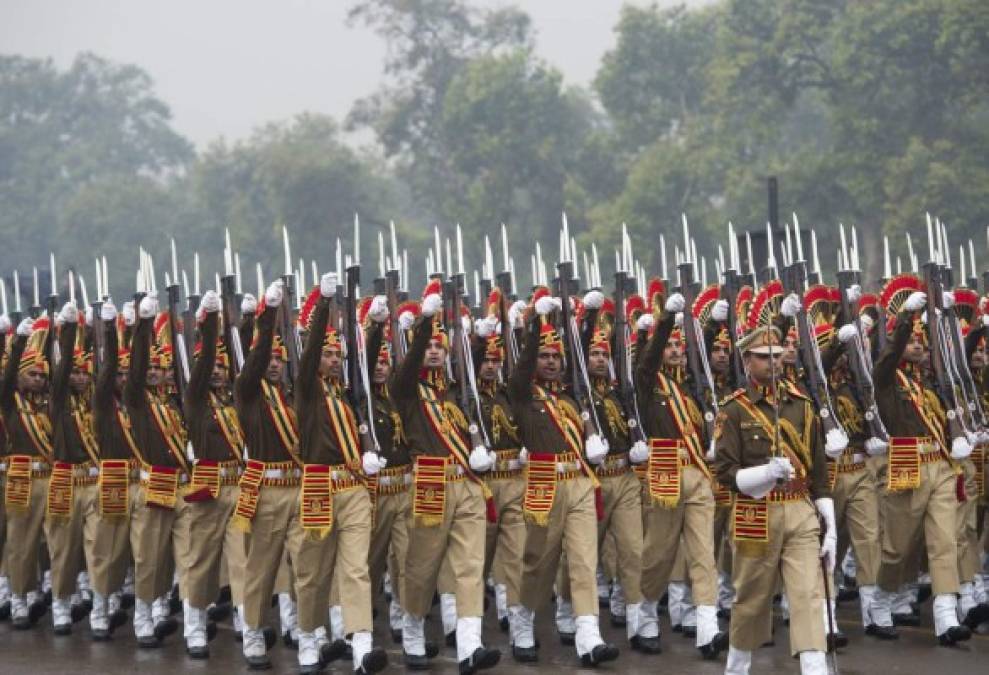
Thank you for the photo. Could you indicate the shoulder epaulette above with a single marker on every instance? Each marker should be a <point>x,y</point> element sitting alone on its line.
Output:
<point>795,391</point>
<point>732,396</point>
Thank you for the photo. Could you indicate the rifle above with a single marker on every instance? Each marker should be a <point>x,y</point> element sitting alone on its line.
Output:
<point>356,364</point>
<point>625,285</point>
<point>464,367</point>
<point>862,387</point>
<point>180,362</point>
<point>729,292</point>
<point>580,384</point>
<point>231,324</point>
<point>503,280</point>
<point>938,350</point>
<point>701,381</point>
<point>392,284</point>
<point>808,355</point>
<point>289,333</point>
<point>959,365</point>
<point>97,337</point>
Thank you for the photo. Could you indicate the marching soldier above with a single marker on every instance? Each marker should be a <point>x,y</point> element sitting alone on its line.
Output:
<point>770,452</point>
<point>27,466</point>
<point>5,330</point>
<point>920,501</point>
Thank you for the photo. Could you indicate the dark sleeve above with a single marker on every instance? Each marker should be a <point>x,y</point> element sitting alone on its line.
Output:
<point>651,357</point>
<point>520,383</point>
<point>61,372</point>
<point>197,393</point>
<point>587,330</point>
<point>819,485</point>
<point>140,358</point>
<point>972,341</point>
<point>247,322</point>
<point>728,447</point>
<point>711,328</point>
<point>9,385</point>
<point>833,351</point>
<point>256,363</point>
<point>308,377</point>
<point>372,346</point>
<point>103,393</point>
<point>403,385</point>
<point>884,371</point>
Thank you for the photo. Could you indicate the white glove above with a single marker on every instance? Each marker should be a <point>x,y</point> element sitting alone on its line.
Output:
<point>274,293</point>
<point>372,463</point>
<point>853,293</point>
<point>720,310</point>
<point>711,453</point>
<point>639,452</point>
<point>59,320</point>
<point>546,304</point>
<point>210,302</point>
<point>985,319</point>
<point>678,319</point>
<point>328,284</point>
<point>757,481</point>
<point>915,301</point>
<point>25,327</point>
<point>523,457</point>
<point>480,459</point>
<point>4,323</point>
<point>780,468</point>
<point>431,304</point>
<point>948,298</point>
<point>465,323</point>
<point>89,316</point>
<point>596,448</point>
<point>515,313</point>
<point>875,446</point>
<point>960,448</point>
<point>405,320</point>
<point>645,322</point>
<point>825,506</point>
<point>378,311</point>
<point>70,313</point>
<point>790,305</point>
<point>835,442</point>
<point>128,312</point>
<point>847,333</point>
<point>594,300</point>
<point>108,312</point>
<point>866,321</point>
<point>149,306</point>
<point>248,304</point>
<point>485,327</point>
<point>675,303</point>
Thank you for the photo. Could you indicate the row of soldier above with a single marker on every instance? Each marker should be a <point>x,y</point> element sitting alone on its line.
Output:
<point>712,445</point>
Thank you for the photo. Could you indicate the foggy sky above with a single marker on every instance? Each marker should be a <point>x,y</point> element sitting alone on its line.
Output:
<point>227,66</point>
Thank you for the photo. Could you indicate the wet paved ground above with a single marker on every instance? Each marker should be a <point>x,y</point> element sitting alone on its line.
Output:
<point>40,653</point>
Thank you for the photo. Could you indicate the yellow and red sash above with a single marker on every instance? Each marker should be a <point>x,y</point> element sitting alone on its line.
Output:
<point>161,487</point>
<point>17,496</point>
<point>690,432</point>
<point>170,429</point>
<point>663,471</point>
<point>344,428</point>
<point>794,446</point>
<point>226,419</point>
<point>37,425</point>
<point>204,483</point>
<point>83,419</point>
<point>429,497</point>
<point>567,425</point>
<point>904,464</point>
<point>114,485</point>
<point>925,412</point>
<point>979,462</point>
<point>59,504</point>
<point>123,419</point>
<point>250,492</point>
<point>750,526</point>
<point>316,509</point>
<point>283,418</point>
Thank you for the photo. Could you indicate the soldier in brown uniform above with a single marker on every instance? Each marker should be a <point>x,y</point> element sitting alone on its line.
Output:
<point>679,487</point>
<point>160,442</point>
<point>920,501</point>
<point>333,532</point>
<point>560,500</point>
<point>447,518</point>
<point>268,503</point>
<point>770,452</point>
<point>72,496</point>
<point>109,539</point>
<point>27,466</point>
<point>5,330</point>
<point>203,537</point>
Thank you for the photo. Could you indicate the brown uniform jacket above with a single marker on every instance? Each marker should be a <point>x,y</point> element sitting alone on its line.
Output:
<point>18,439</point>
<point>654,405</point>
<point>107,408</point>
<point>614,426</point>
<point>895,407</point>
<point>205,433</point>
<point>65,406</point>
<point>742,442</point>
<point>386,420</point>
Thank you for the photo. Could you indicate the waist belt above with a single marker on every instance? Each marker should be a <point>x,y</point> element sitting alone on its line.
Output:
<point>506,466</point>
<point>281,474</point>
<point>616,464</point>
<point>793,491</point>
<point>851,462</point>
<point>342,478</point>
<point>393,480</point>
<point>454,472</point>
<point>568,466</point>
<point>40,468</point>
<point>85,474</point>
<point>230,472</point>
<point>145,475</point>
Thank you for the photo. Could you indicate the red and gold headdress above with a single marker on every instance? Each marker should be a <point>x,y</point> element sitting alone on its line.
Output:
<point>33,357</point>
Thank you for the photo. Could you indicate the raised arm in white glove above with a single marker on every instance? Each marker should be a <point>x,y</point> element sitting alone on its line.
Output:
<point>25,327</point>
<point>210,302</point>
<point>480,459</point>
<point>248,304</point>
<point>485,327</point>
<point>128,312</point>
<point>757,481</point>
<point>594,300</point>
<point>274,293</point>
<point>639,452</point>
<point>720,310</point>
<point>328,284</point>
<point>378,311</point>
<point>847,333</point>
<point>373,463</point>
<point>431,304</point>
<point>948,298</point>
<point>853,293</point>
<point>596,448</point>
<point>790,305</point>
<point>546,304</point>
<point>515,313</point>
<point>405,320</point>
<point>960,448</point>
<point>915,302</point>
<point>70,313</point>
<point>675,303</point>
<point>4,323</point>
<point>835,442</point>
<point>829,544</point>
<point>149,306</point>
<point>108,312</point>
<point>645,322</point>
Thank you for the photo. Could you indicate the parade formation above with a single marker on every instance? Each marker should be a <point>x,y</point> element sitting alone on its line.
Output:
<point>360,438</point>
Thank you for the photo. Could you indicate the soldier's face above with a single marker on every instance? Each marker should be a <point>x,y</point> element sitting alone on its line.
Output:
<point>382,371</point>
<point>790,351</point>
<point>760,366</point>
<point>32,381</point>
<point>549,365</point>
<point>488,372</point>
<point>218,378</point>
<point>914,353</point>
<point>155,376</point>
<point>597,362</point>
<point>330,363</point>
<point>274,371</point>
<point>979,357</point>
<point>719,360</point>
<point>79,380</point>
<point>120,381</point>
<point>673,354</point>
<point>435,355</point>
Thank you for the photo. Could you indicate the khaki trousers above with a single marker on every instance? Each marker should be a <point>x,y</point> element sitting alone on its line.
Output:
<point>793,552</point>
<point>692,520</point>
<point>460,536</point>
<point>202,537</point>
<point>340,555</point>
<point>928,514</point>
<point>65,542</point>
<point>390,535</point>
<point>275,515</point>
<point>856,509</point>
<point>107,545</point>
<point>24,530</point>
<point>608,557</point>
<point>722,543</point>
<point>151,533</point>
<point>969,560</point>
<point>572,528</point>
<point>623,523</point>
<point>505,540</point>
